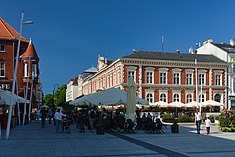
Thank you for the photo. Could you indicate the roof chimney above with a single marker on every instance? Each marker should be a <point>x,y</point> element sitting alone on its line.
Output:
<point>232,42</point>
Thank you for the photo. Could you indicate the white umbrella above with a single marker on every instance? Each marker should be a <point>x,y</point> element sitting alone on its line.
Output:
<point>44,106</point>
<point>131,99</point>
<point>111,96</point>
<point>161,104</point>
<point>191,104</point>
<point>177,104</point>
<point>5,98</point>
<point>211,103</point>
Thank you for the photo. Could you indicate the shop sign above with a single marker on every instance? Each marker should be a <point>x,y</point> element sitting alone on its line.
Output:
<point>5,86</point>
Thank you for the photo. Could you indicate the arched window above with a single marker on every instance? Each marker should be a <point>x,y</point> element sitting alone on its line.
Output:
<point>176,98</point>
<point>217,97</point>
<point>163,97</point>
<point>150,97</point>
<point>189,98</point>
<point>201,98</point>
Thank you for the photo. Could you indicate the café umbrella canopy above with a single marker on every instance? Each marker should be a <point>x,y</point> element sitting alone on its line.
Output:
<point>5,98</point>
<point>44,106</point>
<point>108,97</point>
<point>160,104</point>
<point>211,103</point>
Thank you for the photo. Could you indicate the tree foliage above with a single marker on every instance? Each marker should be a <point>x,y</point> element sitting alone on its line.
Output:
<point>48,99</point>
<point>59,97</point>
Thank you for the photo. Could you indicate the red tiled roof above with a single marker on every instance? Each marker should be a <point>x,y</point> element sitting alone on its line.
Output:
<point>30,52</point>
<point>9,33</point>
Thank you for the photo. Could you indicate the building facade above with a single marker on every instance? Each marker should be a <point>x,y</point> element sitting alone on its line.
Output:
<point>72,89</point>
<point>162,76</point>
<point>75,86</point>
<point>225,52</point>
<point>28,74</point>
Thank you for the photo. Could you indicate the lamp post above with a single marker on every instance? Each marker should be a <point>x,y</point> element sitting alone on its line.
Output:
<point>26,93</point>
<point>14,76</point>
<point>55,85</point>
<point>31,93</point>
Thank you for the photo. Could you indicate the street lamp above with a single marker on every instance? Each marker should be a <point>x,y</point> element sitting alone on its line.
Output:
<point>55,85</point>
<point>15,72</point>
<point>31,93</point>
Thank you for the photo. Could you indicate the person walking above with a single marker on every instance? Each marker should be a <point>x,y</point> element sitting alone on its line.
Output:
<point>198,121</point>
<point>208,125</point>
<point>58,117</point>
<point>38,113</point>
<point>43,117</point>
<point>50,113</point>
<point>91,117</point>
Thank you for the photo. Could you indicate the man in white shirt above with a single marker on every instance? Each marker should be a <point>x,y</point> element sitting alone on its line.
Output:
<point>58,117</point>
<point>198,121</point>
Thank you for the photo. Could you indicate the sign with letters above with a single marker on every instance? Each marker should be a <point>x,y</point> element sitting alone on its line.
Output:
<point>5,86</point>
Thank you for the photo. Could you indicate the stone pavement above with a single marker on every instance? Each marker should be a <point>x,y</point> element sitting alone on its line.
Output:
<point>32,140</point>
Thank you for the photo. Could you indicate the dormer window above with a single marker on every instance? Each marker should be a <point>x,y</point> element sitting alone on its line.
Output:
<point>2,48</point>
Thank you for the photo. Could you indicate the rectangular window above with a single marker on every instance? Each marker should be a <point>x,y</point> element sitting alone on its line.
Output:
<point>149,76</point>
<point>189,79</point>
<point>131,74</point>
<point>111,81</point>
<point>218,80</point>
<point>26,67</point>
<point>233,84</point>
<point>2,69</point>
<point>162,78</point>
<point>201,79</point>
<point>176,79</point>
<point>119,77</point>
<point>233,68</point>
<point>34,70</point>
<point>2,48</point>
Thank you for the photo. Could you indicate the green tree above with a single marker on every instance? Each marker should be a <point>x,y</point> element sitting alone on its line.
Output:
<point>60,96</point>
<point>48,99</point>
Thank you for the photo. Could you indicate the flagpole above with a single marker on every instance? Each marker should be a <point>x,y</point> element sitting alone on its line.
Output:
<point>196,82</point>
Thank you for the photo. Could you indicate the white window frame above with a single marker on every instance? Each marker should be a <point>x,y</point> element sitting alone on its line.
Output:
<point>188,100</point>
<point>176,78</point>
<point>2,48</point>
<point>202,73</point>
<point>131,69</point>
<point>176,71</point>
<point>2,69</point>
<point>189,72</point>
<point>26,70</point>
<point>163,98</point>
<point>218,81</point>
<point>150,98</point>
<point>149,78</point>
<point>176,92</point>
<point>163,71</point>
<point>111,80</point>
<point>176,99</point>
<point>203,97</point>
<point>34,70</point>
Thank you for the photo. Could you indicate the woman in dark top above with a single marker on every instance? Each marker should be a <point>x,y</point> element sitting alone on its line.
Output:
<point>43,117</point>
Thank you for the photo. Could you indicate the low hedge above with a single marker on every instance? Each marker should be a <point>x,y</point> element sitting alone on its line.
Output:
<point>185,118</point>
<point>168,118</point>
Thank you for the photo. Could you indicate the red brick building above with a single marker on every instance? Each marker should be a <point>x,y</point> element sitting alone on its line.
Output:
<point>28,69</point>
<point>162,76</point>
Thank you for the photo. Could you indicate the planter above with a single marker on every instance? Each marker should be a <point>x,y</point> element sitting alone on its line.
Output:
<point>175,128</point>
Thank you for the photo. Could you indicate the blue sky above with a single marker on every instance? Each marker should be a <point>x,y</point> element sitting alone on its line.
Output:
<point>70,34</point>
